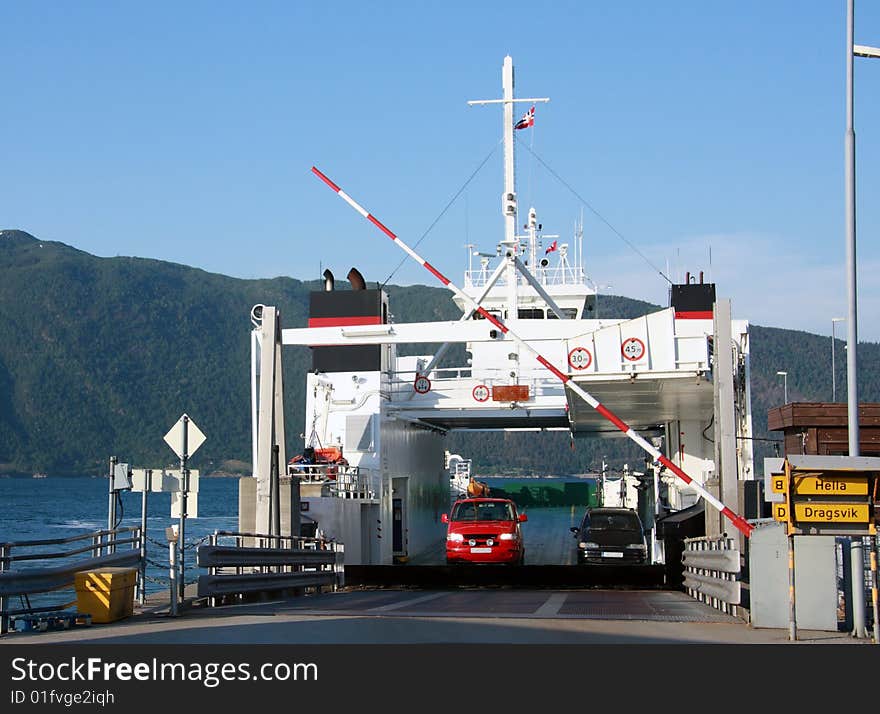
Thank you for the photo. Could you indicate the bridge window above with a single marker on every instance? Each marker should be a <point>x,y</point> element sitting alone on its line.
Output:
<point>532,313</point>
<point>570,313</point>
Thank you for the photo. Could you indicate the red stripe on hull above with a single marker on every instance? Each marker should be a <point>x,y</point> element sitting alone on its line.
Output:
<point>694,315</point>
<point>345,321</point>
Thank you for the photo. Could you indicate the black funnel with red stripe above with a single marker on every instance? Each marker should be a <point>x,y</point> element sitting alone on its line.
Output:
<point>694,301</point>
<point>340,308</point>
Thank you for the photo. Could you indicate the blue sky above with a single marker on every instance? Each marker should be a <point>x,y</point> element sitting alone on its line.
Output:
<point>186,131</point>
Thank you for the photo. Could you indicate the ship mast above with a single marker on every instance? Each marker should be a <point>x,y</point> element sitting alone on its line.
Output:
<point>508,198</point>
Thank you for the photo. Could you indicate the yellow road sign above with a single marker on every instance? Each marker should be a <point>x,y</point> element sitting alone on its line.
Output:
<point>779,483</point>
<point>832,512</point>
<point>780,512</point>
<point>830,485</point>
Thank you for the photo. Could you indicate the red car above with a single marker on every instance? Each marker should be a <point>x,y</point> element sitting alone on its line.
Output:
<point>484,530</point>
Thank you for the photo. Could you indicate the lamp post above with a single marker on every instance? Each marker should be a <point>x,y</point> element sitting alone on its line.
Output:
<point>853,50</point>
<point>784,386</point>
<point>834,320</point>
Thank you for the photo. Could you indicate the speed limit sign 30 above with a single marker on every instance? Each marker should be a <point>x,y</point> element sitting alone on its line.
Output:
<point>580,358</point>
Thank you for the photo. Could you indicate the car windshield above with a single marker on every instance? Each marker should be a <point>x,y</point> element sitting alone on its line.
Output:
<point>482,511</point>
<point>614,522</point>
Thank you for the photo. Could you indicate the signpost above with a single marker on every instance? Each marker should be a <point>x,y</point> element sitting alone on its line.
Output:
<point>827,495</point>
<point>422,384</point>
<point>481,393</point>
<point>632,349</point>
<point>580,358</point>
<point>184,438</point>
<point>816,512</point>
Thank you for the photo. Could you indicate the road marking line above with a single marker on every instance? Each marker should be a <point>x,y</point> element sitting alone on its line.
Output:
<point>553,605</point>
<point>405,603</point>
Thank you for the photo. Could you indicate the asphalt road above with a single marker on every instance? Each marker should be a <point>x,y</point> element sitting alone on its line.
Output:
<point>485,615</point>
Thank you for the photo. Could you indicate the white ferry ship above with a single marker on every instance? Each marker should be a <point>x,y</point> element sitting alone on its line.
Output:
<point>372,471</point>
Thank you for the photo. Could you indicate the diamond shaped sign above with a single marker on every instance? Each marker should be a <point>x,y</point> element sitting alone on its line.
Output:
<point>194,437</point>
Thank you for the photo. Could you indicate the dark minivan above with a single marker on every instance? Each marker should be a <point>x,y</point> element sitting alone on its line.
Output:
<point>610,535</point>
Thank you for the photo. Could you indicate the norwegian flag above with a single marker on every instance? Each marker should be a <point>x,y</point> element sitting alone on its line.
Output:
<point>528,119</point>
<point>551,248</point>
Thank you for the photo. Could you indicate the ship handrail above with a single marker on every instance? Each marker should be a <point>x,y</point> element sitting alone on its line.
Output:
<point>553,277</point>
<point>346,481</point>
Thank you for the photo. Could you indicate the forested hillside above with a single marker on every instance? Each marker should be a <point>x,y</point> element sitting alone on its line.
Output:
<point>100,356</point>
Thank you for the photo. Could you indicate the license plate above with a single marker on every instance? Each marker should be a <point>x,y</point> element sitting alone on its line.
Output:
<point>611,554</point>
<point>481,550</point>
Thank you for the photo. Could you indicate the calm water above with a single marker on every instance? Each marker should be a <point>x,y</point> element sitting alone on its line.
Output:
<point>36,509</point>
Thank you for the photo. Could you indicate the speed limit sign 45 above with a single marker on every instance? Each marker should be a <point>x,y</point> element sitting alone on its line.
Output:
<point>632,349</point>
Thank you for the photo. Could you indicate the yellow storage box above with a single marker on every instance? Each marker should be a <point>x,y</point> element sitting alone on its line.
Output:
<point>106,594</point>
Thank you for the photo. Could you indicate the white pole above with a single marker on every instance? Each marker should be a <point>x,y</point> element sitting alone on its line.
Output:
<point>852,386</point>
<point>172,576</point>
<point>184,489</point>
<point>508,200</point>
<point>255,397</point>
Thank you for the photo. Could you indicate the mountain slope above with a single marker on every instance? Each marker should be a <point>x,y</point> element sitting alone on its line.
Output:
<point>100,356</point>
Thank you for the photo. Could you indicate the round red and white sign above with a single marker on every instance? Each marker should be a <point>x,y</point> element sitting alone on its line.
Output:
<point>633,349</point>
<point>580,358</point>
<point>422,384</point>
<point>481,393</point>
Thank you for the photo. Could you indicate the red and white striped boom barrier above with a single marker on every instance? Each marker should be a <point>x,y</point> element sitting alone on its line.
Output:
<point>738,521</point>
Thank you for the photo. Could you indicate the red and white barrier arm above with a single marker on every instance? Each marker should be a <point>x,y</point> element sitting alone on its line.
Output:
<point>738,521</point>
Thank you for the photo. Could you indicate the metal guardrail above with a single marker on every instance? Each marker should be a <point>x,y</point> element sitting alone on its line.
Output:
<point>711,570</point>
<point>339,480</point>
<point>103,552</point>
<point>549,276</point>
<point>263,563</point>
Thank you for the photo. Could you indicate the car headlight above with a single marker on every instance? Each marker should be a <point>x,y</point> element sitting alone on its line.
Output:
<point>507,536</point>
<point>455,537</point>
<point>639,546</point>
<point>588,545</point>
